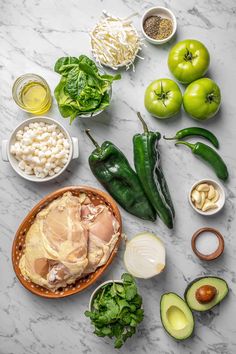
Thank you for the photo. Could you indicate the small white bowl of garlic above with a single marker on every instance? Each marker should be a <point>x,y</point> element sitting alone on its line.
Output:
<point>207,197</point>
<point>40,149</point>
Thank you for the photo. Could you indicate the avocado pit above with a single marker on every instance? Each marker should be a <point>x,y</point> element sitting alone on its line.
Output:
<point>205,294</point>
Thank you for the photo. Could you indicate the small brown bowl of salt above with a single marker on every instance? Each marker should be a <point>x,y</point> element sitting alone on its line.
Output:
<point>158,25</point>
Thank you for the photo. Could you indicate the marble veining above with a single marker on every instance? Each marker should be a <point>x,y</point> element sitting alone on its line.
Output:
<point>33,34</point>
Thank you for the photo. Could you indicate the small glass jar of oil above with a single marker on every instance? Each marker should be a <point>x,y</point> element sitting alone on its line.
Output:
<point>32,94</point>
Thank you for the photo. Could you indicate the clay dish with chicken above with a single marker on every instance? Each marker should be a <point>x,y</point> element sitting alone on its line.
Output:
<point>67,241</point>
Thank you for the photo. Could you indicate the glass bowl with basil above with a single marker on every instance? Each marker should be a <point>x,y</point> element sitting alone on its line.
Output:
<point>115,309</point>
<point>84,89</point>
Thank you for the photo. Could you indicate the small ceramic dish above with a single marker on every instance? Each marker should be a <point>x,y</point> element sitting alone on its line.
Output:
<point>97,197</point>
<point>164,13</point>
<point>92,297</point>
<point>220,203</point>
<point>214,255</point>
<point>7,156</point>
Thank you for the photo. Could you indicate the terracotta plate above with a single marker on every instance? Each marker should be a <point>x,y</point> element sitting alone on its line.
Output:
<point>97,197</point>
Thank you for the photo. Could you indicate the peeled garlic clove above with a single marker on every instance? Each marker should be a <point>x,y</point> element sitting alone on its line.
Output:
<point>211,192</point>
<point>216,197</point>
<point>198,205</point>
<point>196,196</point>
<point>203,187</point>
<point>203,198</point>
<point>209,205</point>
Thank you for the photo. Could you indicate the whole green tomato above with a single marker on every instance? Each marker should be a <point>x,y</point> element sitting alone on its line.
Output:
<point>163,98</point>
<point>202,99</point>
<point>188,60</point>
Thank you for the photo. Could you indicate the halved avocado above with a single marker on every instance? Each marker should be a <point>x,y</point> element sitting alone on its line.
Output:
<point>219,284</point>
<point>176,317</point>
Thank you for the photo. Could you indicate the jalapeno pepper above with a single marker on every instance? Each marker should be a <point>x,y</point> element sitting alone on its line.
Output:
<point>209,155</point>
<point>147,165</point>
<point>195,131</point>
<point>110,166</point>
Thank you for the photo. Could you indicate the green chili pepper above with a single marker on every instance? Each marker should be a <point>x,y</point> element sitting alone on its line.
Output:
<point>147,165</point>
<point>195,131</point>
<point>110,166</point>
<point>209,155</point>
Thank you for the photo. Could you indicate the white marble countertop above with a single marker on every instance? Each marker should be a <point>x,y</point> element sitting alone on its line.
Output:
<point>33,35</point>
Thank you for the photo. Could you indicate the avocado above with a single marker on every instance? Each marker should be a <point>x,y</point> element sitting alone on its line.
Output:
<point>176,317</point>
<point>193,289</point>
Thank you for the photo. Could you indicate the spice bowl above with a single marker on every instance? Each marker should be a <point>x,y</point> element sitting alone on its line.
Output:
<point>7,156</point>
<point>220,202</point>
<point>163,13</point>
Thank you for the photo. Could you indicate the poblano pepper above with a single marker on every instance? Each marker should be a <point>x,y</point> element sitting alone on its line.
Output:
<point>147,165</point>
<point>110,166</point>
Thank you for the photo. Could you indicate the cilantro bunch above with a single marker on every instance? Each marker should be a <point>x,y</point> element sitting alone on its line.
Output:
<point>116,310</point>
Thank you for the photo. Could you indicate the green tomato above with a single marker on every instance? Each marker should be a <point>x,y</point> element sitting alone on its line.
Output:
<point>202,99</point>
<point>188,60</point>
<point>163,98</point>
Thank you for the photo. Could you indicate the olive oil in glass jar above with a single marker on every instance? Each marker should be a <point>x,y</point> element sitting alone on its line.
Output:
<point>32,94</point>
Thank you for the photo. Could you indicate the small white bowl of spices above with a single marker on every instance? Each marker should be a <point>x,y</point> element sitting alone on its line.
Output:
<point>158,25</point>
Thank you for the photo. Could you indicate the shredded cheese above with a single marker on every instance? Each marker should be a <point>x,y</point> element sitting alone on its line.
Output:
<point>115,42</point>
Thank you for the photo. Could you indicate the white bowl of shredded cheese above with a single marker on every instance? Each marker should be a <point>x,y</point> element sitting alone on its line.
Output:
<point>40,149</point>
<point>115,42</point>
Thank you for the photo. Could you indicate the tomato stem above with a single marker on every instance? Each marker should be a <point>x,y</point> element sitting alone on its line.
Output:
<point>188,56</point>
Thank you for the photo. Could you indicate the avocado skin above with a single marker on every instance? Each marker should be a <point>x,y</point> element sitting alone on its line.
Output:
<point>197,279</point>
<point>179,340</point>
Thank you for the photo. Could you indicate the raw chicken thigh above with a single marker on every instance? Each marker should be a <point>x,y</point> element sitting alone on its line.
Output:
<point>102,228</point>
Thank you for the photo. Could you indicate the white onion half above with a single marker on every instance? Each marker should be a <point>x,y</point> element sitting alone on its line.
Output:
<point>145,255</point>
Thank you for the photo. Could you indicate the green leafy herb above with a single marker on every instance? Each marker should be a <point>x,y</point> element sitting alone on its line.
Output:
<point>116,310</point>
<point>82,88</point>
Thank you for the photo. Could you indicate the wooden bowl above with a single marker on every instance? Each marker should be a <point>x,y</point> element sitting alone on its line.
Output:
<point>97,197</point>
<point>214,255</point>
